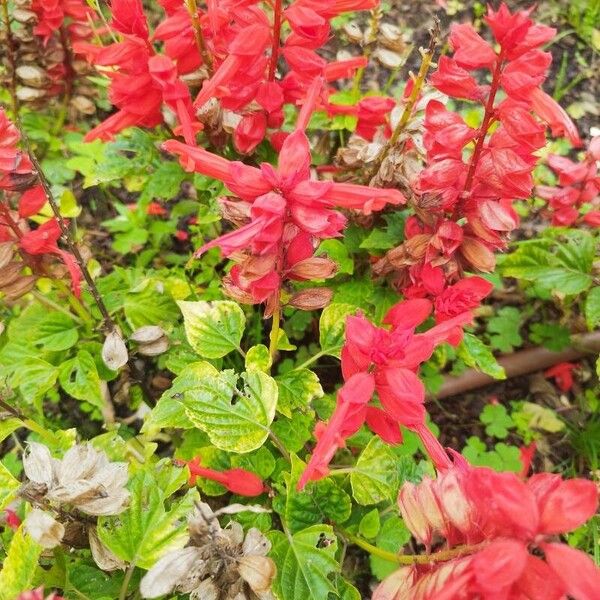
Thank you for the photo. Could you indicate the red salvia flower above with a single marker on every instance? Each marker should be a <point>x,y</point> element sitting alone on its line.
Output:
<point>510,525</point>
<point>238,481</point>
<point>385,361</point>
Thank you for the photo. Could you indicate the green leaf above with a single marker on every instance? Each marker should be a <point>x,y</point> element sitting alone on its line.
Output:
<point>379,239</point>
<point>147,529</point>
<point>34,378</point>
<point>297,389</point>
<point>331,327</point>
<point>592,308</point>
<point>294,432</point>
<point>79,378</point>
<point>170,408</point>
<point>164,183</point>
<point>550,335</point>
<point>7,426</point>
<point>338,252</point>
<point>392,536</point>
<point>374,477</point>
<point>542,418</point>
<point>497,420</point>
<point>476,354</point>
<point>305,562</point>
<point>369,525</point>
<point>318,501</point>
<point>259,358</point>
<point>56,332</point>
<point>236,420</point>
<point>150,306</point>
<point>19,565</point>
<point>213,329</point>
<point>89,583</point>
<point>8,487</point>
<point>504,327</point>
<point>261,462</point>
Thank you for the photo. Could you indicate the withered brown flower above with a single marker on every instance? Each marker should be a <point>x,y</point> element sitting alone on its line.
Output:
<point>218,563</point>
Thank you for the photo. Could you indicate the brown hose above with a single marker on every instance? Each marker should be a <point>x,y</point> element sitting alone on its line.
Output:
<point>521,363</point>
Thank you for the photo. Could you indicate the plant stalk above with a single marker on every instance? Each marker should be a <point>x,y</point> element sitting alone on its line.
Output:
<point>427,57</point>
<point>275,327</point>
<point>411,559</point>
<point>109,323</point>
<point>277,21</point>
<point>199,36</point>
<point>10,54</point>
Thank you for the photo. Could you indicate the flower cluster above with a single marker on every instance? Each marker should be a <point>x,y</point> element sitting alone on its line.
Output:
<point>579,183</point>
<point>233,51</point>
<point>385,361</point>
<point>504,532</point>
<point>17,176</point>
<point>281,213</point>
<point>464,198</point>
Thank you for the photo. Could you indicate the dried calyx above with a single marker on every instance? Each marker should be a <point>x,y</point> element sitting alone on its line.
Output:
<point>218,563</point>
<point>68,493</point>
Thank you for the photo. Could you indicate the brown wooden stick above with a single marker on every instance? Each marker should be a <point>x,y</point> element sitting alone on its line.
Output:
<point>521,363</point>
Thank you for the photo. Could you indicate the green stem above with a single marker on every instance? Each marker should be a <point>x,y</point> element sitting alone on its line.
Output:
<point>310,360</point>
<point>54,306</point>
<point>275,327</point>
<point>126,582</point>
<point>410,105</point>
<point>411,559</point>
<point>280,446</point>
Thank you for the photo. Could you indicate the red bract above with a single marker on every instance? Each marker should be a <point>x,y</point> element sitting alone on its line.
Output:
<point>579,184</point>
<point>44,240</point>
<point>15,166</point>
<point>562,374</point>
<point>375,359</point>
<point>506,527</point>
<point>238,481</point>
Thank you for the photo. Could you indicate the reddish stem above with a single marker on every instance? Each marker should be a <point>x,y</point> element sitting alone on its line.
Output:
<point>277,19</point>
<point>488,118</point>
<point>10,222</point>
